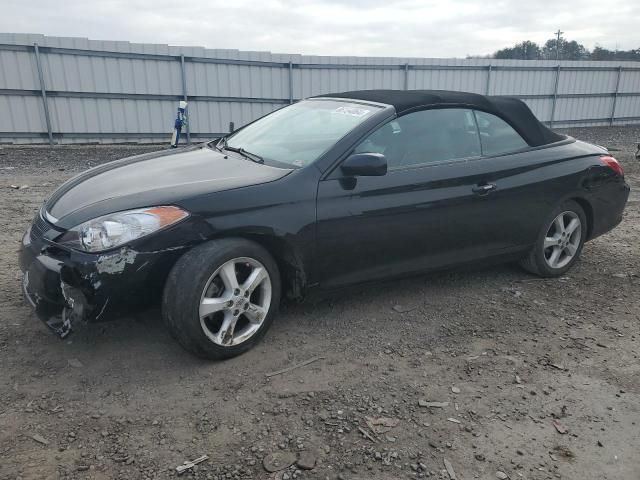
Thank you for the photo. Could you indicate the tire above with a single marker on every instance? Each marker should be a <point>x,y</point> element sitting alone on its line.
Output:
<point>540,260</point>
<point>200,282</point>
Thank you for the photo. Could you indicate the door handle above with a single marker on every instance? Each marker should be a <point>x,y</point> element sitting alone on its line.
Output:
<point>484,188</point>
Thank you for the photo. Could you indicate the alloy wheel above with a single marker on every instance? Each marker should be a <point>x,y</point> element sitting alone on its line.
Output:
<point>235,301</point>
<point>562,240</point>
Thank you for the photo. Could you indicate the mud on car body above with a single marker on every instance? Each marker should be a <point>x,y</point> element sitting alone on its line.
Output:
<point>330,191</point>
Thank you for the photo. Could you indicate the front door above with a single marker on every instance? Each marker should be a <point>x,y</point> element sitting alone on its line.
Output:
<point>436,206</point>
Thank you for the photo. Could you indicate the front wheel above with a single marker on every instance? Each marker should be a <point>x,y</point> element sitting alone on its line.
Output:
<point>559,243</point>
<point>221,297</point>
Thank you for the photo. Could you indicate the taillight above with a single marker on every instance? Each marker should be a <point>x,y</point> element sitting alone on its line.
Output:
<point>612,163</point>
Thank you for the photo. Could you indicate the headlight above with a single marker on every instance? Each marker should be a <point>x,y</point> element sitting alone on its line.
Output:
<point>116,229</point>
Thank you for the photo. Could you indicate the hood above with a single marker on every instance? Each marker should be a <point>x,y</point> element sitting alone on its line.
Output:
<point>156,178</point>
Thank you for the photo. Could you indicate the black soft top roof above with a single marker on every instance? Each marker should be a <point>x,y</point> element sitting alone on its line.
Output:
<point>512,110</point>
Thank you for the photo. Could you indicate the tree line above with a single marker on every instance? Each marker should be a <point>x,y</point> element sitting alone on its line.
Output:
<point>563,49</point>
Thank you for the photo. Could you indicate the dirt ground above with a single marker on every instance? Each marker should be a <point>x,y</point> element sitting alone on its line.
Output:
<point>540,378</point>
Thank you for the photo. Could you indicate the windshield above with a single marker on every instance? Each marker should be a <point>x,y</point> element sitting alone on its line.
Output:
<point>299,134</point>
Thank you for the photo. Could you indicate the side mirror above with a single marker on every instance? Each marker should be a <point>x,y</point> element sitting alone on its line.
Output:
<point>365,165</point>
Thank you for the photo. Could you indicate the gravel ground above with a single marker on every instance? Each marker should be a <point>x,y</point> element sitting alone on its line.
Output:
<point>538,379</point>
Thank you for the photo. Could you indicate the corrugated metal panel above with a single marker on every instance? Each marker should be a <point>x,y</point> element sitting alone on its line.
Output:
<point>21,114</point>
<point>130,91</point>
<point>88,115</point>
<point>583,108</point>
<point>630,107</point>
<point>461,80</point>
<point>102,74</point>
<point>574,81</point>
<point>630,82</point>
<point>18,70</point>
<point>510,82</point>
<point>205,79</point>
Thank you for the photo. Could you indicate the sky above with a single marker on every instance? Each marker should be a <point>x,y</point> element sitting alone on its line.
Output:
<point>398,28</point>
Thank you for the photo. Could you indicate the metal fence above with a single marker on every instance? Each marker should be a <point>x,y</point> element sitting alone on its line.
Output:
<point>74,90</point>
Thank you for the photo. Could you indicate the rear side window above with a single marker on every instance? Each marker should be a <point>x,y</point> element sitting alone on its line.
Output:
<point>496,135</point>
<point>424,137</point>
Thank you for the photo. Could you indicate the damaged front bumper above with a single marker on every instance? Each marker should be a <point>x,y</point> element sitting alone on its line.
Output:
<point>65,286</point>
<point>42,297</point>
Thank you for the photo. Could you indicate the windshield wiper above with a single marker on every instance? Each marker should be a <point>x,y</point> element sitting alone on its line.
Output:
<point>254,157</point>
<point>221,145</point>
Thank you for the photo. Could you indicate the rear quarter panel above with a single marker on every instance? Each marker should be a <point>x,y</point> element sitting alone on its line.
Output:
<point>536,181</point>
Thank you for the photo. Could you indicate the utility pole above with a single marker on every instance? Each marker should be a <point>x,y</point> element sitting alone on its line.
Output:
<point>558,33</point>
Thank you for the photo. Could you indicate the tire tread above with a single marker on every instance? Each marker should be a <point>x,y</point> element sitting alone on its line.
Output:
<point>184,286</point>
<point>534,262</point>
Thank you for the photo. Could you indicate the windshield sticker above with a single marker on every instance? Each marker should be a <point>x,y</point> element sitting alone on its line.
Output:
<point>352,111</point>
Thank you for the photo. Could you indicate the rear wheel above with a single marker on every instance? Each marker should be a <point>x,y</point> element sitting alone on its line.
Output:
<point>559,243</point>
<point>221,297</point>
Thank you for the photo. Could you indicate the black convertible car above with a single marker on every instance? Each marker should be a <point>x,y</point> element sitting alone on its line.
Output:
<point>332,190</point>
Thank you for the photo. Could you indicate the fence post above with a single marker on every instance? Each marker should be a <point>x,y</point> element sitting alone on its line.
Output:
<point>406,76</point>
<point>488,79</point>
<point>43,92</point>
<point>290,82</point>
<point>615,97</point>
<point>555,97</point>
<point>184,94</point>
